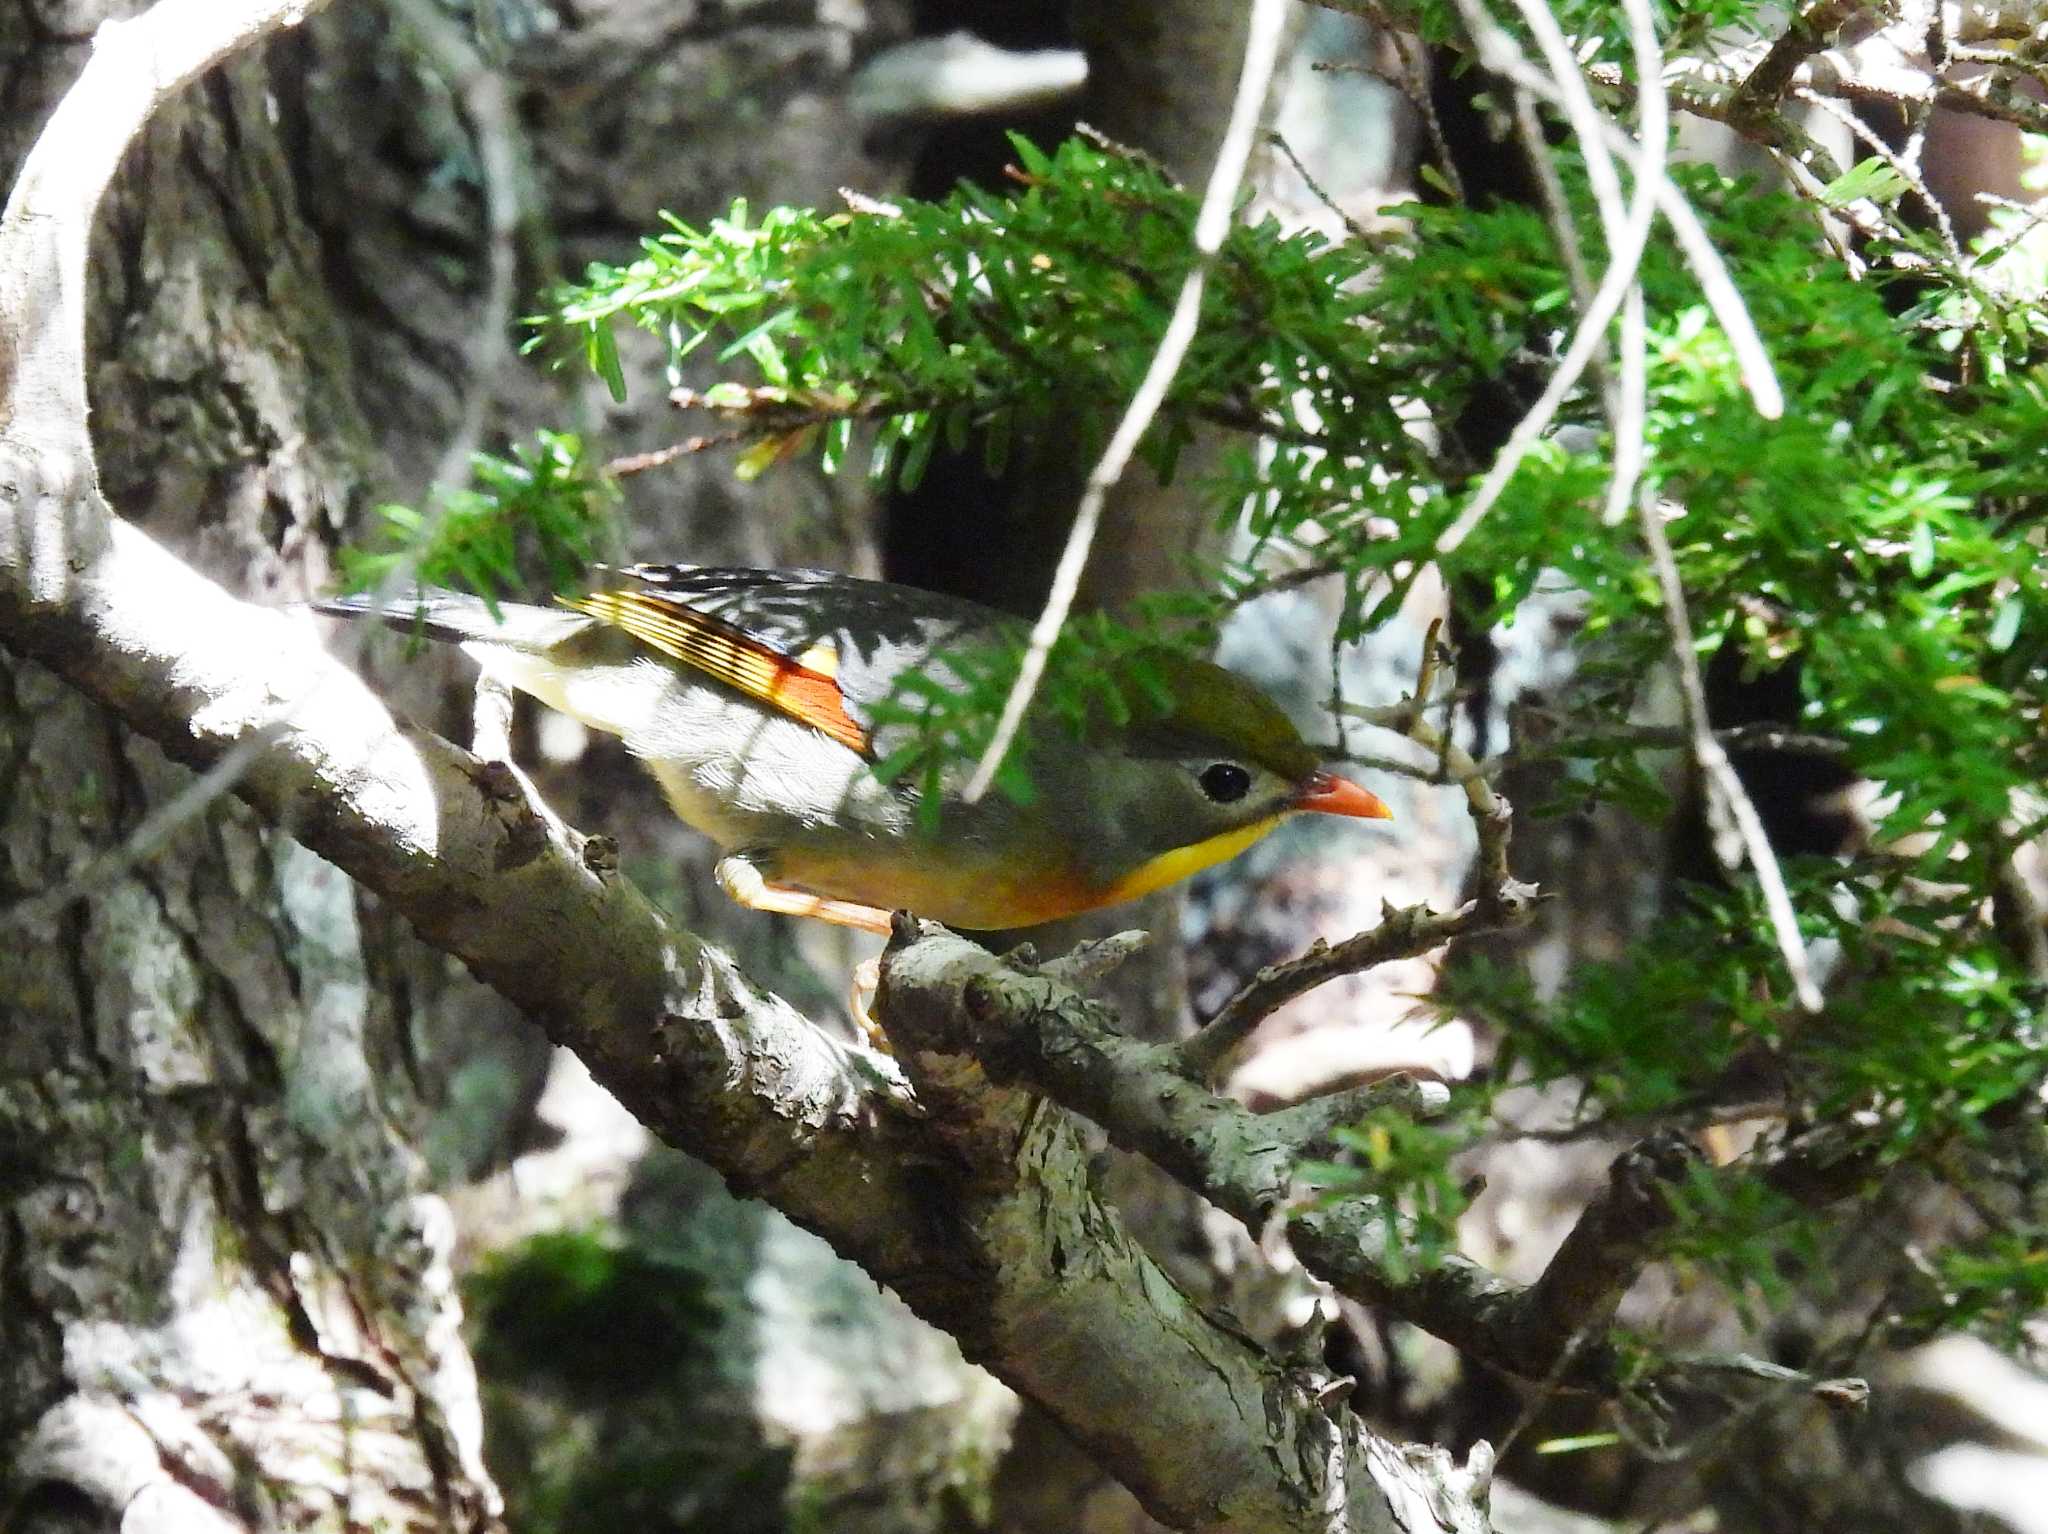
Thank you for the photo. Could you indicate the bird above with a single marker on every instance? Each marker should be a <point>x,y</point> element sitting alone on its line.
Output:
<point>751,696</point>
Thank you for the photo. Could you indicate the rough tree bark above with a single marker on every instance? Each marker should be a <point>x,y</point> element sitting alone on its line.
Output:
<point>226,1295</point>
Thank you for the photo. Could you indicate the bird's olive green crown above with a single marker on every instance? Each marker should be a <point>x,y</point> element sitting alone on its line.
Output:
<point>1179,706</point>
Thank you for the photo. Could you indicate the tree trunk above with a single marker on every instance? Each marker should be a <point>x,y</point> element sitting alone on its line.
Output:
<point>228,1293</point>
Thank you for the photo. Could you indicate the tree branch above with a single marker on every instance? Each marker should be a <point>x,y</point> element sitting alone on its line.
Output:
<point>1613,1238</point>
<point>938,992</point>
<point>957,1012</point>
<point>135,67</point>
<point>955,1001</point>
<point>1764,88</point>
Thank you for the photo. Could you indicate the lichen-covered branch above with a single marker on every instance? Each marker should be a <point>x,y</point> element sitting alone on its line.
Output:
<point>1614,1237</point>
<point>1765,87</point>
<point>956,1001</point>
<point>958,1014</point>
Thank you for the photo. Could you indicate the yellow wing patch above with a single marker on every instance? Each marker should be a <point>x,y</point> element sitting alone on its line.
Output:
<point>803,688</point>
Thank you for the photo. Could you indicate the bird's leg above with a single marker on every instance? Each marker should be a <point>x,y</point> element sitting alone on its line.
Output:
<point>745,884</point>
<point>860,1001</point>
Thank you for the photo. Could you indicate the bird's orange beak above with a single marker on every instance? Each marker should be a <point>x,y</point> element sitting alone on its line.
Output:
<point>1328,794</point>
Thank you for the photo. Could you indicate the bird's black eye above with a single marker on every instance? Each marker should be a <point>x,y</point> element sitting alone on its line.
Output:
<point>1225,782</point>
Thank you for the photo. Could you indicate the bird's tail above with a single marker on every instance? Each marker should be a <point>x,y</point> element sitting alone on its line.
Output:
<point>454,618</point>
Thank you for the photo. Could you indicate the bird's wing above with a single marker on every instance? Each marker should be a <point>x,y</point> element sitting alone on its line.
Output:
<point>863,635</point>
<point>803,685</point>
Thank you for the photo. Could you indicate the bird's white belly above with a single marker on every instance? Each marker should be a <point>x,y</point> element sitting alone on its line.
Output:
<point>745,776</point>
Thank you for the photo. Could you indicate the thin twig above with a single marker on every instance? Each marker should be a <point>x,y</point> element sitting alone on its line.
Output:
<point>2031,218</point>
<point>767,415</point>
<point>1628,407</point>
<point>1212,225</point>
<point>1557,208</point>
<point>1651,737</point>
<point>1317,190</point>
<point>1838,1390</point>
<point>1626,397</point>
<point>1722,780</point>
<point>1504,57</point>
<point>1905,171</point>
<point>627,464</point>
<point>1627,236</point>
<point>151,835</point>
<point>1405,932</point>
<point>1564,235</point>
<point>1415,59</point>
<point>1537,1401</point>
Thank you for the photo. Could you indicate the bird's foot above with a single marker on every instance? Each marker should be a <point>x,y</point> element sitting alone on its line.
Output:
<point>860,1001</point>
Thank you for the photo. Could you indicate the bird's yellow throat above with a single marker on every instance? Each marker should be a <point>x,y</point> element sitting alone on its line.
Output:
<point>1172,867</point>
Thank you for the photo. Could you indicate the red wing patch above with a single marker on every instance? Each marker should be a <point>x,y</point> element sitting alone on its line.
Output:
<point>804,688</point>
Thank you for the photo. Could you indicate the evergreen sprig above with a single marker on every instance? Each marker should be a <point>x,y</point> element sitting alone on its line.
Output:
<point>537,516</point>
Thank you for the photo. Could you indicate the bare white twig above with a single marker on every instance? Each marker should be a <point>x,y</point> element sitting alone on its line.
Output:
<point>1753,363</point>
<point>1629,398</point>
<point>1628,407</point>
<point>1565,87</point>
<point>1905,169</point>
<point>1724,299</point>
<point>1722,781</point>
<point>1212,223</point>
<point>1627,234</point>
